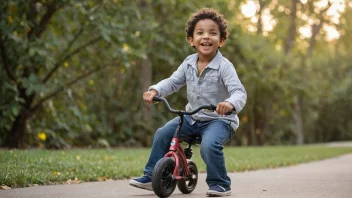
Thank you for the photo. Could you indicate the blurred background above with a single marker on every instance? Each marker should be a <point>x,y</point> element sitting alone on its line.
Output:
<point>73,72</point>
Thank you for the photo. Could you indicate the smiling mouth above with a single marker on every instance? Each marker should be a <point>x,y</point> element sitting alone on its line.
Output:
<point>206,44</point>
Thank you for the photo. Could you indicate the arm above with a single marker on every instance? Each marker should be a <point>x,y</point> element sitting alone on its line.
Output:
<point>238,94</point>
<point>171,84</point>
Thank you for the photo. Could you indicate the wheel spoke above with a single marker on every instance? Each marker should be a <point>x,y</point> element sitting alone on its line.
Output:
<point>166,178</point>
<point>187,185</point>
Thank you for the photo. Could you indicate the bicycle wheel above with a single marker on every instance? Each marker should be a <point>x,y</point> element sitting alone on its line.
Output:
<point>162,182</point>
<point>187,186</point>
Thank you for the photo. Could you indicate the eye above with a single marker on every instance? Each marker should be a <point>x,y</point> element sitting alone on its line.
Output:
<point>214,33</point>
<point>199,33</point>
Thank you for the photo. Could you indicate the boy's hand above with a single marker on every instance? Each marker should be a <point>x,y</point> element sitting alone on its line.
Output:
<point>224,107</point>
<point>149,95</point>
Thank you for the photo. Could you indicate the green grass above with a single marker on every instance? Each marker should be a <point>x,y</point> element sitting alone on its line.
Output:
<point>20,168</point>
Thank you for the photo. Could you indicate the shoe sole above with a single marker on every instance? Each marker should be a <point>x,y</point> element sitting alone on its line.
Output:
<point>147,186</point>
<point>212,193</point>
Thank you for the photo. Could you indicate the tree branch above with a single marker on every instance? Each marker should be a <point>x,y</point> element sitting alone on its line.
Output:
<point>260,24</point>
<point>5,61</point>
<point>68,56</point>
<point>73,40</point>
<point>38,30</point>
<point>315,30</point>
<point>58,90</point>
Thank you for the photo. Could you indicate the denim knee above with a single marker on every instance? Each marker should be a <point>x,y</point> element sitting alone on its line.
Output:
<point>209,148</point>
<point>162,136</point>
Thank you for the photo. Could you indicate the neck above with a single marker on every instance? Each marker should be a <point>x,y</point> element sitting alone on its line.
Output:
<point>206,59</point>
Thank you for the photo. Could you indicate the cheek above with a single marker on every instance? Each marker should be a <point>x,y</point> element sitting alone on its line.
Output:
<point>216,41</point>
<point>196,40</point>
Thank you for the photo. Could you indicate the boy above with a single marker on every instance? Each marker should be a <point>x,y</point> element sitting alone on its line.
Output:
<point>210,79</point>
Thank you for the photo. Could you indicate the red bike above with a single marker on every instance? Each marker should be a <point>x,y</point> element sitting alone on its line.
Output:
<point>176,167</point>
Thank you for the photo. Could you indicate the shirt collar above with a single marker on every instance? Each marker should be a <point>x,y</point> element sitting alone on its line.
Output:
<point>214,63</point>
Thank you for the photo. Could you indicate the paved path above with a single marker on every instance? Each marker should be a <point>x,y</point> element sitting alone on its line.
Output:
<point>330,178</point>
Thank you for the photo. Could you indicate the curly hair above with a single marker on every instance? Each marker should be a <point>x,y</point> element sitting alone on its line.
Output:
<point>207,13</point>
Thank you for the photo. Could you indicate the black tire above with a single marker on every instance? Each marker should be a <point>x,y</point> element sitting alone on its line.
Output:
<point>187,186</point>
<point>162,182</point>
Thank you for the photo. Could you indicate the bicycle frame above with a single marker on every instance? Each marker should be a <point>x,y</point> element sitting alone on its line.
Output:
<point>176,151</point>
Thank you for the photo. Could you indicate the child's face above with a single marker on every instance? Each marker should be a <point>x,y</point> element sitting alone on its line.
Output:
<point>206,38</point>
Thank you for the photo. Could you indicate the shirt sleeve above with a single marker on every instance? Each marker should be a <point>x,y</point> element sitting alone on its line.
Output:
<point>171,84</point>
<point>238,94</point>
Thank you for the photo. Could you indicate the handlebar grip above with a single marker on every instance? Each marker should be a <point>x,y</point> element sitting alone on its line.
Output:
<point>212,107</point>
<point>157,99</point>
<point>230,112</point>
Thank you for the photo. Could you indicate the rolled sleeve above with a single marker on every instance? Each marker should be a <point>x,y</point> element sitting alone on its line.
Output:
<point>238,94</point>
<point>171,84</point>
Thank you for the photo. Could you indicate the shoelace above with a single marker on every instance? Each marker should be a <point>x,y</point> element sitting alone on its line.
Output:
<point>222,188</point>
<point>145,177</point>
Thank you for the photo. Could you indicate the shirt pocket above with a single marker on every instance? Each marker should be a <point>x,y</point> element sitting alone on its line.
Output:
<point>211,84</point>
<point>190,83</point>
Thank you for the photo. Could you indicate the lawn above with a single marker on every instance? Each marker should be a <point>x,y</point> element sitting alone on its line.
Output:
<point>21,168</point>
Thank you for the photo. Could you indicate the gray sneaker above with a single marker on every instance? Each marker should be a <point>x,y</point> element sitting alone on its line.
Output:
<point>218,191</point>
<point>144,182</point>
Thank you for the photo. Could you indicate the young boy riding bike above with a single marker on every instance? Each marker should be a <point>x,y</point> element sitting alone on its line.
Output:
<point>210,79</point>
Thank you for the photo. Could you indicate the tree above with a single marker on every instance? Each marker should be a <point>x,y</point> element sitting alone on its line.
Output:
<point>38,38</point>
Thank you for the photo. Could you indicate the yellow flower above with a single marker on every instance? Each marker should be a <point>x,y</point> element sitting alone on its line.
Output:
<point>283,113</point>
<point>245,119</point>
<point>125,47</point>
<point>10,19</point>
<point>42,136</point>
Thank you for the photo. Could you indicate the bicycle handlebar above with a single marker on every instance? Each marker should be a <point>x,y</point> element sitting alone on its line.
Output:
<point>208,107</point>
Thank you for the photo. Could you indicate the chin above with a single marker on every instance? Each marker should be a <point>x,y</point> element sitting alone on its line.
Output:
<point>207,53</point>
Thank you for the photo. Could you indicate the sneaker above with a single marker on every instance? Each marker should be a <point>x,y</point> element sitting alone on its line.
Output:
<point>144,182</point>
<point>218,191</point>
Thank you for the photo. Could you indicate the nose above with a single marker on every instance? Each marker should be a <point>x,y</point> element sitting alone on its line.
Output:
<point>206,36</point>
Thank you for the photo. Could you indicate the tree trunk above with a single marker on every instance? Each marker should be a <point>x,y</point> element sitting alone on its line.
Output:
<point>16,137</point>
<point>315,30</point>
<point>252,120</point>
<point>260,24</point>
<point>290,40</point>
<point>298,100</point>
<point>146,81</point>
<point>289,44</point>
<point>251,136</point>
<point>297,115</point>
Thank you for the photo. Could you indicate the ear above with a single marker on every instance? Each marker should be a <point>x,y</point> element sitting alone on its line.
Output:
<point>190,41</point>
<point>222,42</point>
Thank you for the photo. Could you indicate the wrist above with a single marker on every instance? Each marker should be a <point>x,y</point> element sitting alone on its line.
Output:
<point>232,106</point>
<point>155,92</point>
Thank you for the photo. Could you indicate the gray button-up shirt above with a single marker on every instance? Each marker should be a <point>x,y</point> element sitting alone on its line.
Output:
<point>217,83</point>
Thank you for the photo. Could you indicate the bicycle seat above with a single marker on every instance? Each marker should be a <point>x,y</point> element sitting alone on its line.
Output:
<point>191,139</point>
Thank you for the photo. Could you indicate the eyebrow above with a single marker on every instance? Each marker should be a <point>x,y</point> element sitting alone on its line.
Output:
<point>203,30</point>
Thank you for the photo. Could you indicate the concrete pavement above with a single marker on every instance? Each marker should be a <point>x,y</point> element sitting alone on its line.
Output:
<point>331,178</point>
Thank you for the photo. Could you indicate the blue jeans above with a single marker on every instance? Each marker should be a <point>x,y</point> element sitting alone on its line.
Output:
<point>214,134</point>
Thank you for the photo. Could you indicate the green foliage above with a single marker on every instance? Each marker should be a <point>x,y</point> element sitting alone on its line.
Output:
<point>54,73</point>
